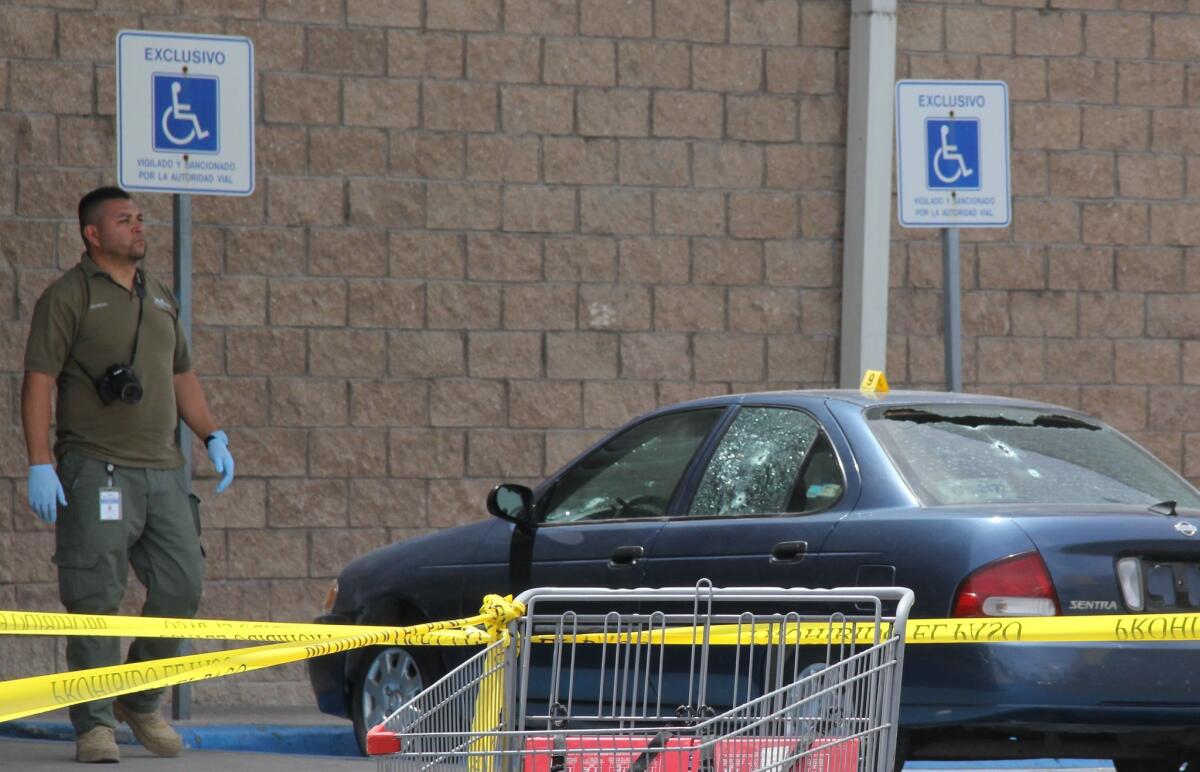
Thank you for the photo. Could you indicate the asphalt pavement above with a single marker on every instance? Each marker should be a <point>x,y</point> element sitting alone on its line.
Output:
<point>308,737</point>
<point>278,729</point>
<point>59,755</point>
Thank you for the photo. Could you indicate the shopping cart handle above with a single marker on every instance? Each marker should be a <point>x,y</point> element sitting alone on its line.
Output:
<point>382,741</point>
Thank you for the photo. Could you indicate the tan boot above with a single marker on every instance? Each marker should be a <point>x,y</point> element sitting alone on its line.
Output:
<point>151,730</point>
<point>97,745</point>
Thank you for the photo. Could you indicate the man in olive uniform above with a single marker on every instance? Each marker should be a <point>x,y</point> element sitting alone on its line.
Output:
<point>107,336</point>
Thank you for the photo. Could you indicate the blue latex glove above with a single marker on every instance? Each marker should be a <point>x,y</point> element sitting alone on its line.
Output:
<point>44,490</point>
<point>218,453</point>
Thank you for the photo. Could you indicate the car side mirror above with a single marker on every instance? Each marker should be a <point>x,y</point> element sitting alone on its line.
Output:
<point>513,503</point>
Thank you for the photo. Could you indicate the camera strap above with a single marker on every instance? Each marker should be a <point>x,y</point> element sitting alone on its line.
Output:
<point>139,287</point>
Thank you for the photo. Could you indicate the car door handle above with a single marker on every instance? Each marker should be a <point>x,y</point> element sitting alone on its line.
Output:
<point>622,557</point>
<point>789,551</point>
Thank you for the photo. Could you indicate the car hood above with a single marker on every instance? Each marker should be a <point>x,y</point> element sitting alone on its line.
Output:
<point>404,561</point>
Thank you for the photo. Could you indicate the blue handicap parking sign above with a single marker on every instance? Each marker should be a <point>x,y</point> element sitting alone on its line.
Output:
<point>952,154</point>
<point>185,113</point>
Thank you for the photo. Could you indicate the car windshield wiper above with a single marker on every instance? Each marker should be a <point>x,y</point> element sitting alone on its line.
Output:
<point>917,415</point>
<point>1063,422</point>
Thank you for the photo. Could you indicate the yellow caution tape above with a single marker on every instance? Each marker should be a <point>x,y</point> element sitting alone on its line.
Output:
<point>1078,629</point>
<point>489,701</point>
<point>1082,629</point>
<point>28,696</point>
<point>37,694</point>
<point>498,610</point>
<point>46,623</point>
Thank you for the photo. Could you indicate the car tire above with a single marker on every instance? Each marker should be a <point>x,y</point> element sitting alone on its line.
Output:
<point>385,678</point>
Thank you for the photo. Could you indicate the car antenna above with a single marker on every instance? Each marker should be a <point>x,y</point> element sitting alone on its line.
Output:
<point>1165,508</point>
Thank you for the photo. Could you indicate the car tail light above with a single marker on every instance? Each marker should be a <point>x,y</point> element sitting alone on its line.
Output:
<point>1017,586</point>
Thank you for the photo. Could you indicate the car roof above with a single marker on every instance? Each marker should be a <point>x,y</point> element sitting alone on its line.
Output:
<point>801,397</point>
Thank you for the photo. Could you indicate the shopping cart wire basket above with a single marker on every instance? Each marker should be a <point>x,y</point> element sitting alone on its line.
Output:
<point>696,679</point>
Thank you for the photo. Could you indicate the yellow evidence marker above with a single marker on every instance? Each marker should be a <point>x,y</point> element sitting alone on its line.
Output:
<point>874,382</point>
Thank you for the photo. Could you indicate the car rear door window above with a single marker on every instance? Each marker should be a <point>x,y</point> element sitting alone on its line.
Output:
<point>991,454</point>
<point>770,461</point>
<point>634,474</point>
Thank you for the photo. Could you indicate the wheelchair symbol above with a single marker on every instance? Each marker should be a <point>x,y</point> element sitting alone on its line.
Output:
<point>181,112</point>
<point>185,113</point>
<point>952,153</point>
<point>946,153</point>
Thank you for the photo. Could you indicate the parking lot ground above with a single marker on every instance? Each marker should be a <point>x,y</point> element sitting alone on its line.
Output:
<point>293,738</point>
<point>59,755</point>
<point>42,754</point>
<point>278,729</point>
<point>1025,765</point>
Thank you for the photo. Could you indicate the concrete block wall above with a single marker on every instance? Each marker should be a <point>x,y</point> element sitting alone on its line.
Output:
<point>486,231</point>
<point>1088,298</point>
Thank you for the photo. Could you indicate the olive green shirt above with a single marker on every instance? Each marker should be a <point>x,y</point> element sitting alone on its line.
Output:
<point>87,317</point>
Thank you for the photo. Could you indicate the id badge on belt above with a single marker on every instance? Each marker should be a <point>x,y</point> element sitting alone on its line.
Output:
<point>110,499</point>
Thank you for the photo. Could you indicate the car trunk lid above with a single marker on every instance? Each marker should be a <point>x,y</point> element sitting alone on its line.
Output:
<point>1082,547</point>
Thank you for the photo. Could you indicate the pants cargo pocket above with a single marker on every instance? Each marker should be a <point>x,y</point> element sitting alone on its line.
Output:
<point>79,582</point>
<point>194,500</point>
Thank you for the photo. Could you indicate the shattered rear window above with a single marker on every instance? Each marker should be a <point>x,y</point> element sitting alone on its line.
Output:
<point>980,454</point>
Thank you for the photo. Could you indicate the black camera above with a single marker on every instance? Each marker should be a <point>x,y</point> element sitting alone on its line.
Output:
<point>119,382</point>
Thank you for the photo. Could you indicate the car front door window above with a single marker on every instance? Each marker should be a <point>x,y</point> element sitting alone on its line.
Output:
<point>634,474</point>
<point>760,467</point>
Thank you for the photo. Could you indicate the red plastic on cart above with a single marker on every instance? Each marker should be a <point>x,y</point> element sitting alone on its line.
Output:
<point>381,741</point>
<point>829,755</point>
<point>611,754</point>
<point>746,754</point>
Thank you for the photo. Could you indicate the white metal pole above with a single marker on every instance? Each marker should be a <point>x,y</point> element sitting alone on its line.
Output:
<point>867,235</point>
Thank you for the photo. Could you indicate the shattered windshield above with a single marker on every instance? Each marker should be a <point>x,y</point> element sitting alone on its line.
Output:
<point>979,454</point>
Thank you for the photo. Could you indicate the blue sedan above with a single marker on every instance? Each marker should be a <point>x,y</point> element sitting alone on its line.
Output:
<point>984,506</point>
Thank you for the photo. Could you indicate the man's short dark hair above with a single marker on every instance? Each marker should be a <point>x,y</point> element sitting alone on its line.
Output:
<point>90,203</point>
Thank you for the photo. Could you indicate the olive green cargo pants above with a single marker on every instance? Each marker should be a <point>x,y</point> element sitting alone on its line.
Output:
<point>158,534</point>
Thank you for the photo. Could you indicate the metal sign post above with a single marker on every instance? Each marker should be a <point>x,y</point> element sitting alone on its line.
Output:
<point>951,314</point>
<point>181,207</point>
<point>952,171</point>
<point>185,125</point>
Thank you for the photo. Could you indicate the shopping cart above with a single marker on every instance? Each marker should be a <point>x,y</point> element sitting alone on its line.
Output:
<point>696,679</point>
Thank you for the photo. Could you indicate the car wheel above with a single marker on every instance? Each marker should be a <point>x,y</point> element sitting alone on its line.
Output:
<point>386,678</point>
